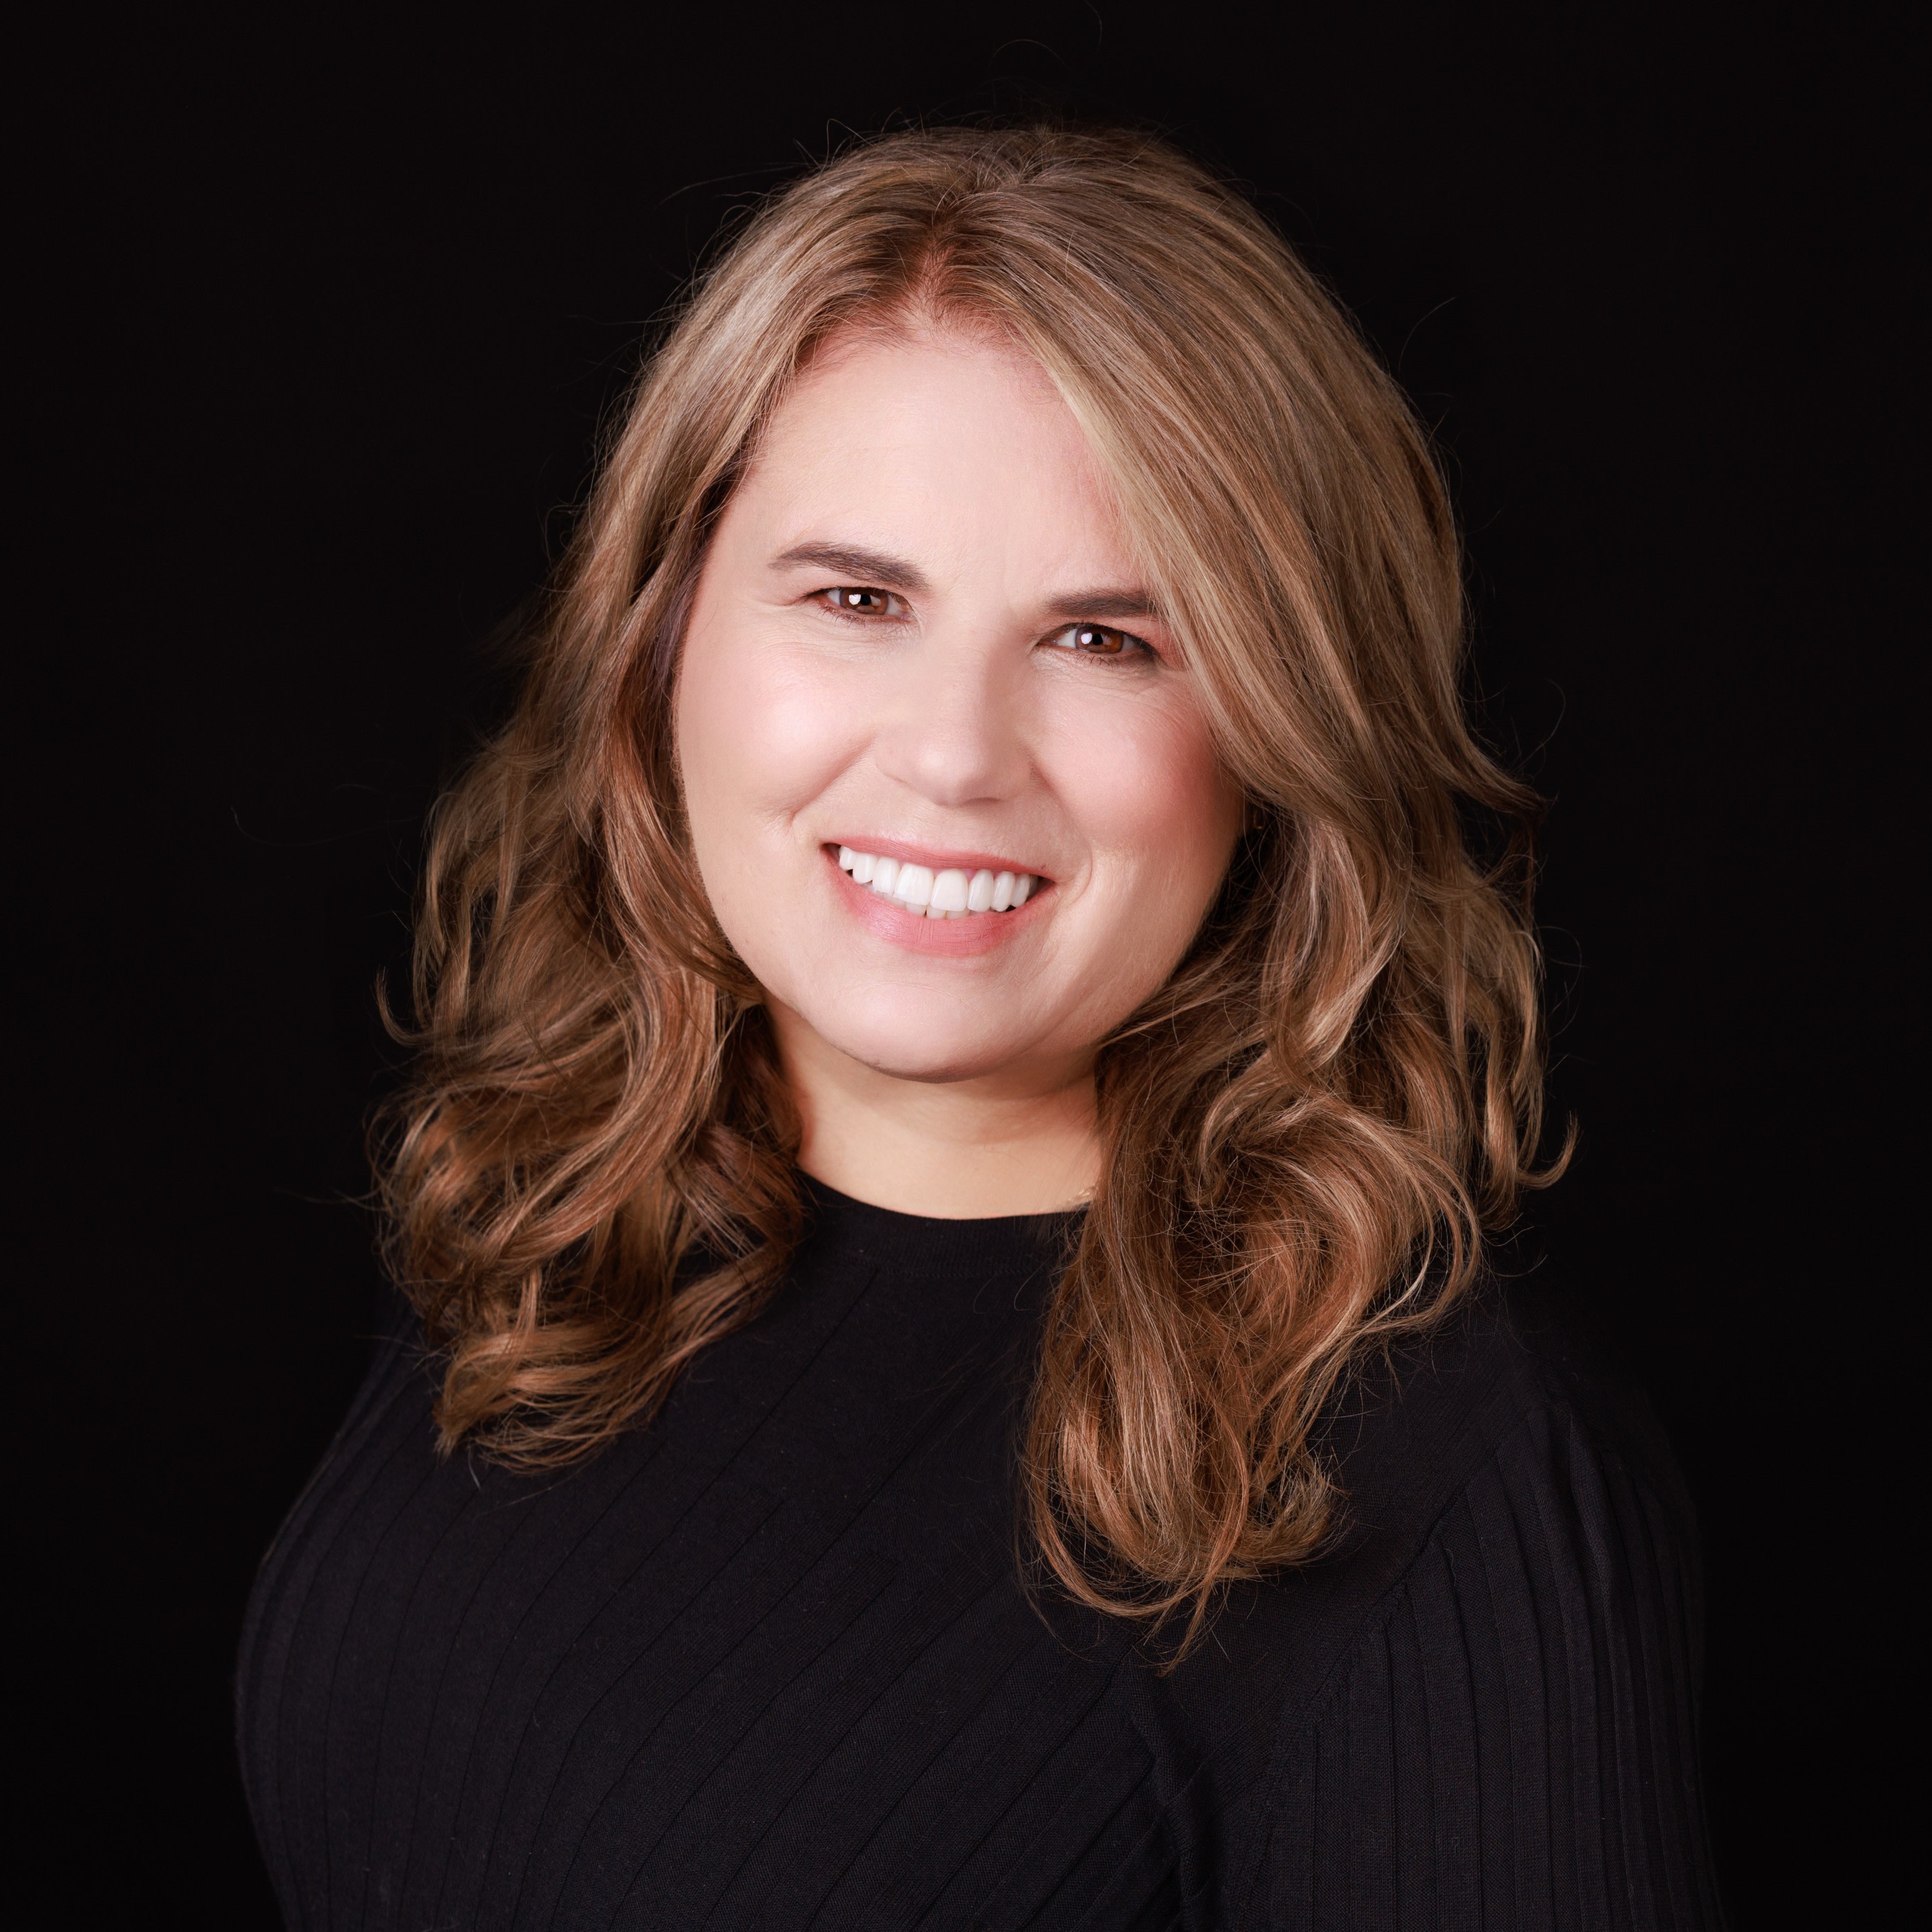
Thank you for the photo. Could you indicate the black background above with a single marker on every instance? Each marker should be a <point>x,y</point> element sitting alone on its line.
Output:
<point>329,322</point>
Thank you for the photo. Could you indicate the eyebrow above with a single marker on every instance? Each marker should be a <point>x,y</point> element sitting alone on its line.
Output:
<point>860,566</point>
<point>1104,604</point>
<point>896,573</point>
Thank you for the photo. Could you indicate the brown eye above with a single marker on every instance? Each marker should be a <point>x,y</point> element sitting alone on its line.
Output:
<point>1100,640</point>
<point>857,600</point>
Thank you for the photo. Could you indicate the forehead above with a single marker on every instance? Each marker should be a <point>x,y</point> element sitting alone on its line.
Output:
<point>953,439</point>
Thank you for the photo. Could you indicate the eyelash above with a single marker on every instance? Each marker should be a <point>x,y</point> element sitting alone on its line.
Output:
<point>837,597</point>
<point>1129,647</point>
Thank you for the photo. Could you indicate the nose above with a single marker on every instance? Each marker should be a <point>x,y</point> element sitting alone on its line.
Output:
<point>953,733</point>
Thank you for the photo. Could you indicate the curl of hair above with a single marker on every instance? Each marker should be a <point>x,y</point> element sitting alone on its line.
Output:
<point>1305,1132</point>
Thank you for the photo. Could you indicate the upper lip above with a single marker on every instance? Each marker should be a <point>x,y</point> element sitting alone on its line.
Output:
<point>938,859</point>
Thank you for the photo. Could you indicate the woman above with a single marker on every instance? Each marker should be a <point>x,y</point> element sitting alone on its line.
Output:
<point>967,1060</point>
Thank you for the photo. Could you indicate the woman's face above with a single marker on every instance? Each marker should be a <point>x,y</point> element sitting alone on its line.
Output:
<point>921,669</point>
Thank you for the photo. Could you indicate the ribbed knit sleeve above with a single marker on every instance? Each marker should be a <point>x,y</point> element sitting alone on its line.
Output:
<point>1510,1741</point>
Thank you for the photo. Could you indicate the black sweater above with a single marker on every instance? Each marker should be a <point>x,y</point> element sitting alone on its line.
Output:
<point>770,1662</point>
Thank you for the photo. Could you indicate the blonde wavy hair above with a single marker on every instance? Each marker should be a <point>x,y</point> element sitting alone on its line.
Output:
<point>1305,1132</point>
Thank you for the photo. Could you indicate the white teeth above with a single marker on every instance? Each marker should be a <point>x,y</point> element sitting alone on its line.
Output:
<point>951,893</point>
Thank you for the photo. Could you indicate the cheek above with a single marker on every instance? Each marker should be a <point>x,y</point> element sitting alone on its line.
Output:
<point>757,737</point>
<point>1153,803</point>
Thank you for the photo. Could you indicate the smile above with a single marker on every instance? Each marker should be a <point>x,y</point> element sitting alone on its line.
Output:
<point>953,893</point>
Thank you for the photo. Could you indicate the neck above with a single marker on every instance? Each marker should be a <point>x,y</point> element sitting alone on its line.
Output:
<point>1022,1142</point>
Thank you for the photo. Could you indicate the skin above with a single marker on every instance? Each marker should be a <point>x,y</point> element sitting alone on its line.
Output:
<point>959,714</point>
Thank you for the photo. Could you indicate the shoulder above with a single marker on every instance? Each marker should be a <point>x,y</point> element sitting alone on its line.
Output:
<point>1487,1690</point>
<point>1511,1421</point>
<point>1515,1385</point>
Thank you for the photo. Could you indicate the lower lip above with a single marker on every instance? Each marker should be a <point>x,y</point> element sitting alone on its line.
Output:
<point>947,938</point>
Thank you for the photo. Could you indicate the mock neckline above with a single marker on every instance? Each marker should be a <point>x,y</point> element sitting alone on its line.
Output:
<point>829,1205</point>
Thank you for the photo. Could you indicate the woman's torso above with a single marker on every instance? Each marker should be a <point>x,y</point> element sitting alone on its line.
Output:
<point>772,1661</point>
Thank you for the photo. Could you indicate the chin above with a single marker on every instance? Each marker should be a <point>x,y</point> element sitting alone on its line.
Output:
<point>917,1050</point>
